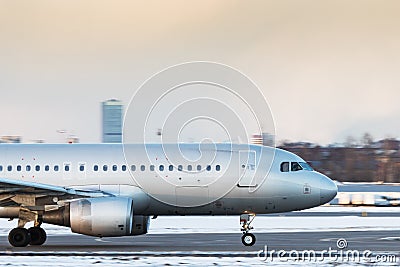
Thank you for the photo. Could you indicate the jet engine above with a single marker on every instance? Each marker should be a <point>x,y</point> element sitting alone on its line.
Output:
<point>103,217</point>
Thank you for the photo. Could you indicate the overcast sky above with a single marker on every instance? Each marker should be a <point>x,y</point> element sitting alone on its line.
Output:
<point>328,69</point>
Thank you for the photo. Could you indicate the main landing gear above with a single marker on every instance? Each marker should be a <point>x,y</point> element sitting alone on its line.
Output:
<point>21,237</point>
<point>248,239</point>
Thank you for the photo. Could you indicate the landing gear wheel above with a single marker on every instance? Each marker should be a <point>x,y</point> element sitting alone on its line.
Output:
<point>245,222</point>
<point>19,237</point>
<point>38,236</point>
<point>248,239</point>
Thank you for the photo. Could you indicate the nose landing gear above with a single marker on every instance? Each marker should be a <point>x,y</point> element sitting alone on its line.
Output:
<point>248,239</point>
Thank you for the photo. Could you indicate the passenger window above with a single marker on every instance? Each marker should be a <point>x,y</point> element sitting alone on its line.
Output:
<point>171,168</point>
<point>47,168</point>
<point>199,167</point>
<point>105,168</point>
<point>295,166</point>
<point>152,168</point>
<point>82,168</point>
<point>161,168</point>
<point>66,168</point>
<point>218,168</point>
<point>284,166</point>
<point>114,168</point>
<point>37,168</point>
<point>133,168</point>
<point>28,168</point>
<point>9,168</point>
<point>189,167</point>
<point>142,168</point>
<point>123,168</point>
<point>180,167</point>
<point>96,168</point>
<point>19,168</point>
<point>208,168</point>
<point>56,168</point>
<point>1,168</point>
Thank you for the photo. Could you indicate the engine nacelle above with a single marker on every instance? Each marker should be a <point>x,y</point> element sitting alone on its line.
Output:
<point>104,217</point>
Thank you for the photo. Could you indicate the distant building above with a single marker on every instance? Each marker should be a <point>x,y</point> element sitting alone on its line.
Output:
<point>10,139</point>
<point>264,139</point>
<point>112,121</point>
<point>72,139</point>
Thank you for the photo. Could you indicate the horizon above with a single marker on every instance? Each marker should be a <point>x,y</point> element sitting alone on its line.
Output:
<point>357,142</point>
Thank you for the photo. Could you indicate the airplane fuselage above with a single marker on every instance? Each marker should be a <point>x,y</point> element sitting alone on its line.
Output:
<point>160,184</point>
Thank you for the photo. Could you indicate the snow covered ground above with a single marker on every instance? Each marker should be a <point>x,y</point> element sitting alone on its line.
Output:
<point>218,224</point>
<point>267,224</point>
<point>164,261</point>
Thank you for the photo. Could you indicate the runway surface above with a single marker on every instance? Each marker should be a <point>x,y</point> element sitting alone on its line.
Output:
<point>215,240</point>
<point>198,244</point>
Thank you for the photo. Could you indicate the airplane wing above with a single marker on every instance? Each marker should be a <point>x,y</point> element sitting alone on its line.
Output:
<point>14,192</point>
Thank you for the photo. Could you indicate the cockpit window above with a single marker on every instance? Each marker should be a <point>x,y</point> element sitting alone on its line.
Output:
<point>284,166</point>
<point>305,166</point>
<point>295,166</point>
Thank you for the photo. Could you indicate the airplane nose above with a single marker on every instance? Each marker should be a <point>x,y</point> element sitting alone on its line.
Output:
<point>328,190</point>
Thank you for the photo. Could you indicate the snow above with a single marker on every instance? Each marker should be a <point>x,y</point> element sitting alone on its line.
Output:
<point>217,224</point>
<point>262,224</point>
<point>157,261</point>
<point>347,209</point>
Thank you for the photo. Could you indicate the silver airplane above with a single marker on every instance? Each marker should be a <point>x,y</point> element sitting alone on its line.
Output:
<point>110,190</point>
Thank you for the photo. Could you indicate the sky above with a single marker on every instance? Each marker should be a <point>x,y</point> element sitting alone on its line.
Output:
<point>328,69</point>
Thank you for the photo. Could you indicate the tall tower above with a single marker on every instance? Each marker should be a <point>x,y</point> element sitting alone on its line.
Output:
<point>112,121</point>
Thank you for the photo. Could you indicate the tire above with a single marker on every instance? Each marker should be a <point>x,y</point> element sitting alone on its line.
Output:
<point>38,236</point>
<point>248,239</point>
<point>19,237</point>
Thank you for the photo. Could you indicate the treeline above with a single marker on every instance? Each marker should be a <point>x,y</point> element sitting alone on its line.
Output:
<point>363,161</point>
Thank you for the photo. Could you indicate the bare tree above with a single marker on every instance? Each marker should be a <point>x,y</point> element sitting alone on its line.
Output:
<point>367,140</point>
<point>350,141</point>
